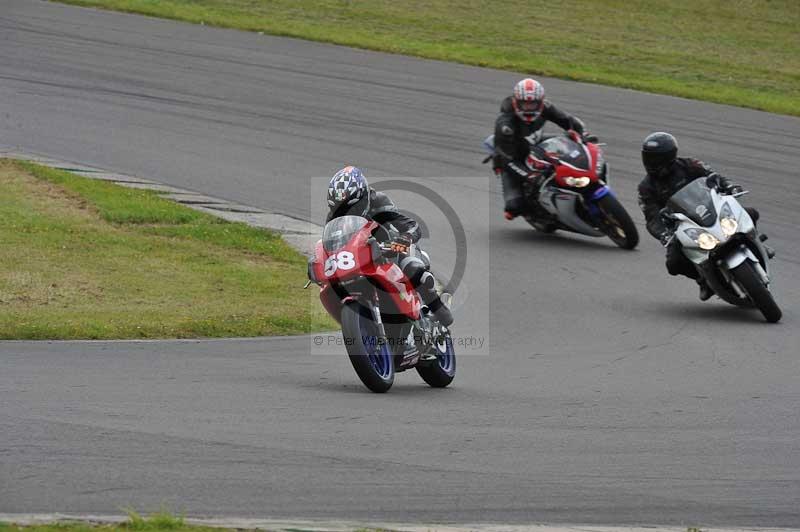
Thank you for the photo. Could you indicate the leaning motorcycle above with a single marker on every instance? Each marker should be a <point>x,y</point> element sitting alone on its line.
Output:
<point>576,197</point>
<point>717,234</point>
<point>386,328</point>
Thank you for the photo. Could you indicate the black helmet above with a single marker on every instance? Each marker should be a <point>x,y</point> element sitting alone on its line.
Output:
<point>659,150</point>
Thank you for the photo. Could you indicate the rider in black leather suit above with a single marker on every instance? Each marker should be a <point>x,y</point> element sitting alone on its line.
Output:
<point>666,174</point>
<point>522,114</point>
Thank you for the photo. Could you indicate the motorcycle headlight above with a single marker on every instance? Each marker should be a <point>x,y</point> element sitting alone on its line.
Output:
<point>727,222</point>
<point>704,239</point>
<point>728,226</point>
<point>578,182</point>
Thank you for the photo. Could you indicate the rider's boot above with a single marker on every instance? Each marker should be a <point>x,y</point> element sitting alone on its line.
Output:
<point>705,291</point>
<point>441,311</point>
<point>427,290</point>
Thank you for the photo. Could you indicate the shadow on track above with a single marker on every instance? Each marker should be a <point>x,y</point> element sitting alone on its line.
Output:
<point>560,240</point>
<point>407,384</point>
<point>714,310</point>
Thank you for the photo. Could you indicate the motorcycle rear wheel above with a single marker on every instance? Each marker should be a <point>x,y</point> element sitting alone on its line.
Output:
<point>762,298</point>
<point>368,352</point>
<point>618,224</point>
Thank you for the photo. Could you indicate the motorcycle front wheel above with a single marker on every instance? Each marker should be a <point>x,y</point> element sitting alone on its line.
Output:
<point>758,292</point>
<point>440,373</point>
<point>618,224</point>
<point>367,350</point>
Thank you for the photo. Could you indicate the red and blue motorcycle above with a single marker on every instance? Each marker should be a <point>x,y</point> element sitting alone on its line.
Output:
<point>575,197</point>
<point>386,328</point>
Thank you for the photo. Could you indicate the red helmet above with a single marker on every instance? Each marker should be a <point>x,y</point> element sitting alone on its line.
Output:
<point>528,99</point>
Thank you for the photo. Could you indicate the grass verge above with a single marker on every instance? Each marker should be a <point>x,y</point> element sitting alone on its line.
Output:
<point>740,52</point>
<point>157,522</point>
<point>84,258</point>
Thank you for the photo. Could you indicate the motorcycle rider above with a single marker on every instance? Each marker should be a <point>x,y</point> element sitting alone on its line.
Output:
<point>350,194</point>
<point>523,114</point>
<point>666,174</point>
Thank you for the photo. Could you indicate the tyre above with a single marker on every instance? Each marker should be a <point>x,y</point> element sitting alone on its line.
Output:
<point>618,224</point>
<point>747,277</point>
<point>368,351</point>
<point>440,373</point>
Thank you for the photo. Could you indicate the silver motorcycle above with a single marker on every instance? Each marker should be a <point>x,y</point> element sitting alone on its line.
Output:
<point>718,235</point>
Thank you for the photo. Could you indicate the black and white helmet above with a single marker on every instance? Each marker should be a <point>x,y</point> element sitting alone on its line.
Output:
<point>348,193</point>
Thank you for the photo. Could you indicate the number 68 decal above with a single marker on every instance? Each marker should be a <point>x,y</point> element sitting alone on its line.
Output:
<point>344,260</point>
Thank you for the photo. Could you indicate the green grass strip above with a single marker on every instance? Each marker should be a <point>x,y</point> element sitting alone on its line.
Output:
<point>84,258</point>
<point>157,522</point>
<point>740,52</point>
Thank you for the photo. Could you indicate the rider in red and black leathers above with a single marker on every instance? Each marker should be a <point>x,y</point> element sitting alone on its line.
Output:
<point>666,174</point>
<point>522,114</point>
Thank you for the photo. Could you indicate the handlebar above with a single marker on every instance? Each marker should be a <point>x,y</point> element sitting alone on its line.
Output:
<point>384,248</point>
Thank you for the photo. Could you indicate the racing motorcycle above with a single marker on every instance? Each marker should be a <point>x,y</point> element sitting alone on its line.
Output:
<point>576,196</point>
<point>386,328</point>
<point>717,234</point>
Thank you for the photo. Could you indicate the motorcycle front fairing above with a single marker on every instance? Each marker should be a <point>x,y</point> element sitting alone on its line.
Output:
<point>564,205</point>
<point>346,268</point>
<point>575,205</point>
<point>692,209</point>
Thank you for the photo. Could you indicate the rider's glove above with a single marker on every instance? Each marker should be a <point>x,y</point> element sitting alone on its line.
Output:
<point>402,243</point>
<point>665,238</point>
<point>590,137</point>
<point>713,180</point>
<point>734,189</point>
<point>577,124</point>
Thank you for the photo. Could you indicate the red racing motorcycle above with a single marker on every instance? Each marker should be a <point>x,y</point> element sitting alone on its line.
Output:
<point>576,197</point>
<point>386,328</point>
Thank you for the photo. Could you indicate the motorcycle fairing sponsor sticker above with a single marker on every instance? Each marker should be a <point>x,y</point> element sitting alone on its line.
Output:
<point>702,211</point>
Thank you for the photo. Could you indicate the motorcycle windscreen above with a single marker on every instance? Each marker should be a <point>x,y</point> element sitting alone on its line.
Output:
<point>339,231</point>
<point>566,150</point>
<point>695,201</point>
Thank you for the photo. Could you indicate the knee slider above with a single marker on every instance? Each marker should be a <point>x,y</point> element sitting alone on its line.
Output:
<point>426,281</point>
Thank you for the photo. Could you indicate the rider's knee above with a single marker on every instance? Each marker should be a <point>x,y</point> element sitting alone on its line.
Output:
<point>415,269</point>
<point>674,262</point>
<point>515,205</point>
<point>673,267</point>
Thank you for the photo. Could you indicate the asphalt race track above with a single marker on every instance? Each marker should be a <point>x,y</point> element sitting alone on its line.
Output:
<point>610,393</point>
